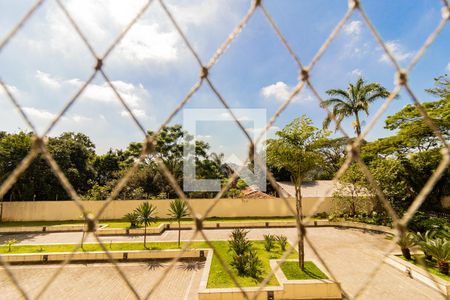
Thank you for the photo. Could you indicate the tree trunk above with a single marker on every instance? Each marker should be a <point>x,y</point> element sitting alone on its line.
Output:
<point>443,267</point>
<point>406,254</point>
<point>179,233</point>
<point>357,125</point>
<point>145,236</point>
<point>299,217</point>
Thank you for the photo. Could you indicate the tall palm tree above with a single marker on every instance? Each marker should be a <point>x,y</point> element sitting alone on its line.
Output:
<point>146,215</point>
<point>351,102</point>
<point>178,209</point>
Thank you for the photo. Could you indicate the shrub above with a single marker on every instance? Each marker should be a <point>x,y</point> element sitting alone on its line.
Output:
<point>240,264</point>
<point>254,264</point>
<point>245,259</point>
<point>9,243</point>
<point>241,184</point>
<point>132,217</point>
<point>422,222</point>
<point>321,215</point>
<point>239,243</point>
<point>268,241</point>
<point>405,242</point>
<point>421,239</point>
<point>282,241</point>
<point>440,249</point>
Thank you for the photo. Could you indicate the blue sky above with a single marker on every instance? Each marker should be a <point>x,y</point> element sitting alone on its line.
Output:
<point>46,62</point>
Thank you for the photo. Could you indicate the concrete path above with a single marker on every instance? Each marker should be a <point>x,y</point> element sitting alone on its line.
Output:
<point>350,254</point>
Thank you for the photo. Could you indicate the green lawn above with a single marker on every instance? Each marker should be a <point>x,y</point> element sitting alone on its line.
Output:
<point>431,267</point>
<point>125,224</point>
<point>292,271</point>
<point>218,278</point>
<point>38,223</point>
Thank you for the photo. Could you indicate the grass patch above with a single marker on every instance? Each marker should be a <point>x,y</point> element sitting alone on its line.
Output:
<point>431,266</point>
<point>125,224</point>
<point>218,277</point>
<point>39,223</point>
<point>293,272</point>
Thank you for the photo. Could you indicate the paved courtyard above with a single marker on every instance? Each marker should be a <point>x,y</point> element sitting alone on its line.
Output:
<point>101,281</point>
<point>350,254</point>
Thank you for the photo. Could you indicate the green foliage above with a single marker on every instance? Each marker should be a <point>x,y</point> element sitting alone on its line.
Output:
<point>408,158</point>
<point>145,216</point>
<point>254,264</point>
<point>333,152</point>
<point>244,258</point>
<point>352,194</point>
<point>422,239</point>
<point>295,150</point>
<point>422,222</point>
<point>406,241</point>
<point>146,213</point>
<point>351,102</point>
<point>269,240</point>
<point>133,218</point>
<point>95,176</point>
<point>439,248</point>
<point>73,153</point>
<point>293,272</point>
<point>241,184</point>
<point>238,242</point>
<point>9,243</point>
<point>178,209</point>
<point>282,241</point>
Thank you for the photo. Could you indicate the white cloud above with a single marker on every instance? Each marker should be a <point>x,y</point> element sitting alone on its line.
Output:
<point>448,67</point>
<point>353,28</point>
<point>80,119</point>
<point>133,95</point>
<point>47,80</point>
<point>40,114</point>
<point>148,42</point>
<point>280,91</point>
<point>356,72</point>
<point>397,50</point>
<point>152,39</point>
<point>139,113</point>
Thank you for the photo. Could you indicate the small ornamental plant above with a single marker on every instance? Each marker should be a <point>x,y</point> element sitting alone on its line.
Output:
<point>9,243</point>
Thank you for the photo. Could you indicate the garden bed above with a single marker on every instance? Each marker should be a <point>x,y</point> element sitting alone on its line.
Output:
<point>292,271</point>
<point>309,287</point>
<point>409,267</point>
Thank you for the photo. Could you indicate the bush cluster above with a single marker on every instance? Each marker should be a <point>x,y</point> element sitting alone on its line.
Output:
<point>244,259</point>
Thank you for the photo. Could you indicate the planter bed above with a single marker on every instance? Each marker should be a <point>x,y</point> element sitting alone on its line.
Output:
<point>415,272</point>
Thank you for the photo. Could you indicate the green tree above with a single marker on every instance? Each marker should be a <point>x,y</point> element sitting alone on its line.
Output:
<point>407,159</point>
<point>334,152</point>
<point>145,216</point>
<point>178,209</point>
<point>296,150</point>
<point>351,102</point>
<point>352,192</point>
<point>73,152</point>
